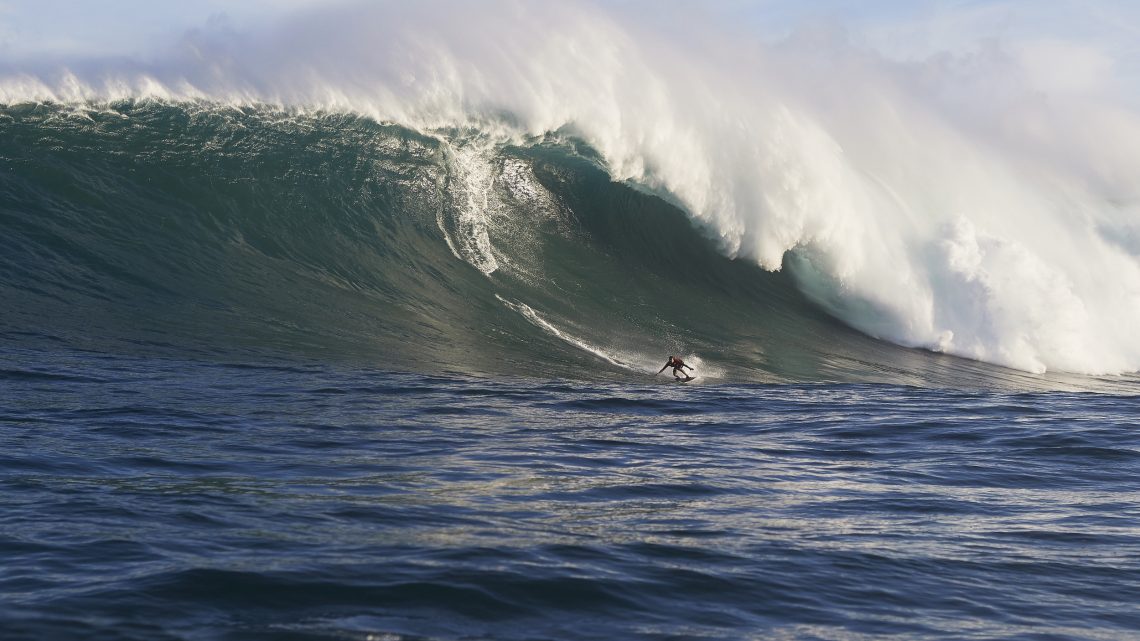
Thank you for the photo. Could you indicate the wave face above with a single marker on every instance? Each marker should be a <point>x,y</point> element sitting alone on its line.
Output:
<point>559,179</point>
<point>212,230</point>
<point>208,228</point>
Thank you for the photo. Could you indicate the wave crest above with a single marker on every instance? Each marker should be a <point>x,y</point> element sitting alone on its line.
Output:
<point>900,202</point>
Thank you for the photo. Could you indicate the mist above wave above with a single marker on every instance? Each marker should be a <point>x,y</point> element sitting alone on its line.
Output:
<point>954,203</point>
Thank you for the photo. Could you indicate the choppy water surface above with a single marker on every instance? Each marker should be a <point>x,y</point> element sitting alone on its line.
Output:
<point>150,498</point>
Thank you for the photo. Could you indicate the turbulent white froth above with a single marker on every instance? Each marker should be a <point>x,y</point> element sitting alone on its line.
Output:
<point>961,204</point>
<point>464,224</point>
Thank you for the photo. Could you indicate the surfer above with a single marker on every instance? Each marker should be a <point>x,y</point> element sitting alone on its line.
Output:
<point>677,364</point>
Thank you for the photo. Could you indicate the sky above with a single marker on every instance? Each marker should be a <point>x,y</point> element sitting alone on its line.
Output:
<point>1071,42</point>
<point>66,28</point>
<point>31,28</point>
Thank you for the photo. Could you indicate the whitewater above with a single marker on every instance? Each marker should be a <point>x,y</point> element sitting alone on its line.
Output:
<point>951,204</point>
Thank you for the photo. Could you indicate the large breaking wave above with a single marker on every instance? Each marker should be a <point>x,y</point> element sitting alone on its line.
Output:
<point>445,190</point>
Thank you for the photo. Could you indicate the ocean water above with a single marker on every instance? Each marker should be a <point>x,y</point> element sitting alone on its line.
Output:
<point>368,353</point>
<point>161,498</point>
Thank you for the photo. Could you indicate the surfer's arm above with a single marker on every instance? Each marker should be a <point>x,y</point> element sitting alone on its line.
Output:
<point>662,369</point>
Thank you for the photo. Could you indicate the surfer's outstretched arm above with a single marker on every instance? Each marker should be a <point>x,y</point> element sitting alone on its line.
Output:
<point>662,369</point>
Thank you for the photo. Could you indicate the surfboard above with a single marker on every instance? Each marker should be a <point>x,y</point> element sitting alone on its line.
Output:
<point>685,380</point>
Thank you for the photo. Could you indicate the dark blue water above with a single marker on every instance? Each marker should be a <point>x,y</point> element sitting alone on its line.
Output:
<point>151,498</point>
